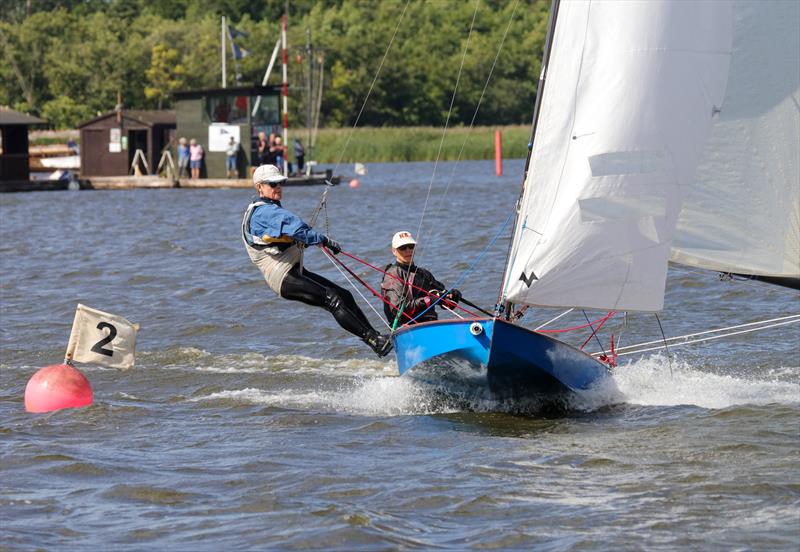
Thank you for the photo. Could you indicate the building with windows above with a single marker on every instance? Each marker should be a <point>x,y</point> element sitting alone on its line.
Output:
<point>212,116</point>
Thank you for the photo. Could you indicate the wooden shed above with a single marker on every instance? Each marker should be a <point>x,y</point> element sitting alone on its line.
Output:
<point>211,116</point>
<point>14,156</point>
<point>109,142</point>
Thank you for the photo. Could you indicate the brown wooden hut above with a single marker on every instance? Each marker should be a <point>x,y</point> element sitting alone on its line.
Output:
<point>14,156</point>
<point>109,142</point>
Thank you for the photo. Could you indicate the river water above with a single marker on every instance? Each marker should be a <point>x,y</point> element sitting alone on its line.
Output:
<point>250,422</point>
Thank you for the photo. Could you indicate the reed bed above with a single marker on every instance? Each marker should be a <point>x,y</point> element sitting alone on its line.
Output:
<point>395,144</point>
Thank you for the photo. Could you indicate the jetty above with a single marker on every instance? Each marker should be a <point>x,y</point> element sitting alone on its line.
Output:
<point>156,182</point>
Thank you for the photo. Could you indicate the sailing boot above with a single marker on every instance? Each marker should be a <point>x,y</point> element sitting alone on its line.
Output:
<point>381,344</point>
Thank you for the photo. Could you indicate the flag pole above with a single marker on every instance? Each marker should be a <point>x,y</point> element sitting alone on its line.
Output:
<point>222,52</point>
<point>285,101</point>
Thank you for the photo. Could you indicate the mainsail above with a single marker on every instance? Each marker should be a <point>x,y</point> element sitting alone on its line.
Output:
<point>742,213</point>
<point>631,91</point>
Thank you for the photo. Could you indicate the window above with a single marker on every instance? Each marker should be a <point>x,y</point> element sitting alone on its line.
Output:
<point>265,110</point>
<point>227,109</point>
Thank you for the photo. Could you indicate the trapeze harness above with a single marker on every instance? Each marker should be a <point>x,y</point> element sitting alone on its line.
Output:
<point>274,257</point>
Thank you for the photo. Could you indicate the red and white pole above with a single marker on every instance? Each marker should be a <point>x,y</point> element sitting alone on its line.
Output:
<point>498,154</point>
<point>285,101</point>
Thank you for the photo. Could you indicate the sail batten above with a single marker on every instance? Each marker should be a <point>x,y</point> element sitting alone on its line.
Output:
<point>632,89</point>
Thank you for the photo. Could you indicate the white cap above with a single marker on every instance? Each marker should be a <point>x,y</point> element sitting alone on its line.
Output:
<point>402,238</point>
<point>267,173</point>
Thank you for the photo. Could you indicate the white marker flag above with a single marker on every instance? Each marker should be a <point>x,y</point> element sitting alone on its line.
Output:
<point>99,337</point>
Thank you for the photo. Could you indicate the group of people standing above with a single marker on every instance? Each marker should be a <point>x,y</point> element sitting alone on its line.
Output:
<point>190,158</point>
<point>270,151</point>
<point>191,155</point>
<point>275,239</point>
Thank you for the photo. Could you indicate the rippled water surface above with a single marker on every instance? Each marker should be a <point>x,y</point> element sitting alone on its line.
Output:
<point>250,422</point>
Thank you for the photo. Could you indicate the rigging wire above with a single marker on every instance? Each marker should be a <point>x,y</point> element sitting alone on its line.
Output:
<point>470,268</point>
<point>566,312</point>
<point>791,318</point>
<point>373,267</point>
<point>601,320</point>
<point>446,124</point>
<point>664,337</point>
<point>323,200</point>
<point>762,325</point>
<point>333,262</point>
<point>372,85</point>
<point>361,111</point>
<point>502,300</point>
<point>477,107</point>
<point>594,333</point>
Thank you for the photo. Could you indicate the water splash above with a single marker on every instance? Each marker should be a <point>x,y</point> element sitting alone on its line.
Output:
<point>651,382</point>
<point>375,396</point>
<point>364,387</point>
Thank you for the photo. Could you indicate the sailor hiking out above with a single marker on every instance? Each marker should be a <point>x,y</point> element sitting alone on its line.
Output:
<point>274,238</point>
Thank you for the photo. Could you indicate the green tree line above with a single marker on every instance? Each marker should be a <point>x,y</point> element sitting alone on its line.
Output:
<point>68,60</point>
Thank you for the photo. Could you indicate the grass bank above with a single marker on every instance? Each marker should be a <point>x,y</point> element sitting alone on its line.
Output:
<point>386,145</point>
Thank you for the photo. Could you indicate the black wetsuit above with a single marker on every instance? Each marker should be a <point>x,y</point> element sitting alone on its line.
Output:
<point>312,289</point>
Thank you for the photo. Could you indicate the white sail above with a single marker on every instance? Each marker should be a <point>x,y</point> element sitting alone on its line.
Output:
<point>743,212</point>
<point>627,107</point>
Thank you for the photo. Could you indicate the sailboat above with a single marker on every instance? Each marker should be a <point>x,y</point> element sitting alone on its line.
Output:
<point>647,128</point>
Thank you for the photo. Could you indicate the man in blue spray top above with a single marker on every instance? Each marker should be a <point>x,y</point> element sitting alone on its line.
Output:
<point>274,238</point>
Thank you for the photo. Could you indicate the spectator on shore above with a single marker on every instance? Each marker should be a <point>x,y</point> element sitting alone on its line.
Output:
<point>263,149</point>
<point>183,158</point>
<point>196,155</point>
<point>271,148</point>
<point>277,151</point>
<point>232,154</point>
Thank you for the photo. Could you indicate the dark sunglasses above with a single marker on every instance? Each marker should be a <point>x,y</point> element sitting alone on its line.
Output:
<point>273,184</point>
<point>406,247</point>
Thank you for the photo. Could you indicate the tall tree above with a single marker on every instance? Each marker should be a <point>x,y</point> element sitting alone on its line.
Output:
<point>164,76</point>
<point>71,57</point>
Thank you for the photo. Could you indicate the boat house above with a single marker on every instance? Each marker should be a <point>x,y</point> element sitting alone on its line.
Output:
<point>109,142</point>
<point>212,116</point>
<point>14,157</point>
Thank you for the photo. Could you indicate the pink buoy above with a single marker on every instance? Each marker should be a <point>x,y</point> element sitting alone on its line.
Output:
<point>355,183</point>
<point>56,387</point>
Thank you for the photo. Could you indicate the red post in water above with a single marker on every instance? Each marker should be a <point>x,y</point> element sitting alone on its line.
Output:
<point>498,154</point>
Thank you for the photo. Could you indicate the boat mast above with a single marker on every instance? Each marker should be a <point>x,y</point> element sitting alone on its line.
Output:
<point>507,307</point>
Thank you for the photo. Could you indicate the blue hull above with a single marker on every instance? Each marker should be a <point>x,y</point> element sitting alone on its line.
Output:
<point>509,360</point>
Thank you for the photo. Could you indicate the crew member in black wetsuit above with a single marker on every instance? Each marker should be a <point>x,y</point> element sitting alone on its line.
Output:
<point>274,238</point>
<point>401,280</point>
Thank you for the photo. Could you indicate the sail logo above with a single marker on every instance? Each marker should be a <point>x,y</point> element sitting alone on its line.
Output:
<point>528,279</point>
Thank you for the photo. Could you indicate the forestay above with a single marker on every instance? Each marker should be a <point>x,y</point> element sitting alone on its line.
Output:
<point>742,213</point>
<point>630,94</point>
